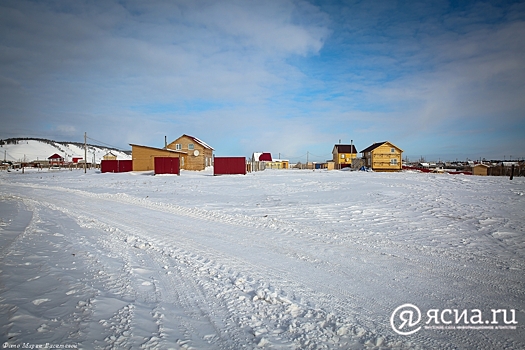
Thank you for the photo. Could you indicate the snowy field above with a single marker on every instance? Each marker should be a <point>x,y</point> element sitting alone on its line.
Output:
<point>275,259</point>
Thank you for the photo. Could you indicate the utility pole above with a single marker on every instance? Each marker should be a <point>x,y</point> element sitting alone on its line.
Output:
<point>85,152</point>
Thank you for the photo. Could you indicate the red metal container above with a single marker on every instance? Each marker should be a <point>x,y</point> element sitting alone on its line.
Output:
<point>167,165</point>
<point>109,166</point>
<point>116,166</point>
<point>229,165</point>
<point>125,166</point>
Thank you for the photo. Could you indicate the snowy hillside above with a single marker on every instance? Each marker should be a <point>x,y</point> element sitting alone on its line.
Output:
<point>278,259</point>
<point>33,150</point>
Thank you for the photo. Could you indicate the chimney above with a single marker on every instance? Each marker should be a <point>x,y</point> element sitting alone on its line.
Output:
<point>165,142</point>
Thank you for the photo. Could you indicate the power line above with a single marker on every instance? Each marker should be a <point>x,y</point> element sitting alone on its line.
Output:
<point>106,144</point>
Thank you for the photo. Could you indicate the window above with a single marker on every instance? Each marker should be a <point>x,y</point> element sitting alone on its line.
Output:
<point>392,150</point>
<point>393,161</point>
<point>342,156</point>
<point>178,146</point>
<point>190,146</point>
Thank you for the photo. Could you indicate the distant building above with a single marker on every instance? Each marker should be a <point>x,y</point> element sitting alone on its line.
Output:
<point>342,155</point>
<point>260,160</point>
<point>278,164</point>
<point>109,156</point>
<point>480,169</point>
<point>56,159</point>
<point>383,156</point>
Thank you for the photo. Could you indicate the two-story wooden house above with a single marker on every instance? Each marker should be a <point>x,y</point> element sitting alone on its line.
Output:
<point>199,154</point>
<point>342,155</point>
<point>383,156</point>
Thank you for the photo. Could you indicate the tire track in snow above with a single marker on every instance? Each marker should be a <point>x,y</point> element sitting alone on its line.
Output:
<point>242,265</point>
<point>367,246</point>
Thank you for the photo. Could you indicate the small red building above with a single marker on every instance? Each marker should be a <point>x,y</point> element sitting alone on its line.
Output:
<point>116,166</point>
<point>229,165</point>
<point>167,165</point>
<point>56,159</point>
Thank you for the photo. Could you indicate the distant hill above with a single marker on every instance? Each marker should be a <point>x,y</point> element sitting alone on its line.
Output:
<point>33,149</point>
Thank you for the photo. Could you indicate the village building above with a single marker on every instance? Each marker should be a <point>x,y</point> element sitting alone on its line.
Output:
<point>193,154</point>
<point>278,164</point>
<point>260,160</point>
<point>56,160</point>
<point>109,156</point>
<point>383,156</point>
<point>343,155</point>
<point>198,154</point>
<point>480,169</point>
<point>144,156</point>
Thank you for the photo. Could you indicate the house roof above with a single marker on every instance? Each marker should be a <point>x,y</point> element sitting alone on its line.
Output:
<point>262,157</point>
<point>345,149</point>
<point>377,144</point>
<point>159,149</point>
<point>55,156</point>
<point>200,142</point>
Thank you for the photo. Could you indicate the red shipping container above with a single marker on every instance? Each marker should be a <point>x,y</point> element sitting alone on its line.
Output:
<point>109,166</point>
<point>229,165</point>
<point>167,165</point>
<point>116,166</point>
<point>125,165</point>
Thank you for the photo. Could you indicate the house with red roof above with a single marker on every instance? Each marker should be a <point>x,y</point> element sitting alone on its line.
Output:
<point>56,159</point>
<point>265,160</point>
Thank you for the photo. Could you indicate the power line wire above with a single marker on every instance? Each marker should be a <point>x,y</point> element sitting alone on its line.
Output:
<point>106,144</point>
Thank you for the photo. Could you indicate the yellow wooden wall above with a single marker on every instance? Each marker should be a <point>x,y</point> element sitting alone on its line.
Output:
<point>480,170</point>
<point>192,162</point>
<point>347,158</point>
<point>144,157</point>
<point>382,155</point>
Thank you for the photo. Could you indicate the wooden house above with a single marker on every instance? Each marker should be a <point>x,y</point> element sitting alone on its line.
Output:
<point>278,164</point>
<point>342,155</point>
<point>109,156</point>
<point>198,154</point>
<point>383,156</point>
<point>480,169</point>
<point>144,156</point>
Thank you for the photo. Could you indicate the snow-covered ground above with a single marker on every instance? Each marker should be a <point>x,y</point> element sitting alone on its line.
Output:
<point>275,259</point>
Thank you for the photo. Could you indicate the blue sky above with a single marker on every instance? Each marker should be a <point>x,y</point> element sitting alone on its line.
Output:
<point>440,79</point>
